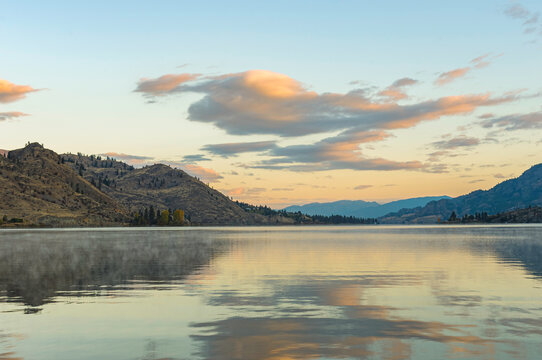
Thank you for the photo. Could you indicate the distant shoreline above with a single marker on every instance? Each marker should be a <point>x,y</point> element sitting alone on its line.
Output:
<point>447,224</point>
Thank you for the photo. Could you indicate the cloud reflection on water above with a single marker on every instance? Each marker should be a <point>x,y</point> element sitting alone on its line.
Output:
<point>339,326</point>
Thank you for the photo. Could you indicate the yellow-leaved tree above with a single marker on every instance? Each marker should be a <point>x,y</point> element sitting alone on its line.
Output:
<point>178,217</point>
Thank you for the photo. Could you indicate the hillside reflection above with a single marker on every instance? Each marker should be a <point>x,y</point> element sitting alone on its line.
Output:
<point>36,267</point>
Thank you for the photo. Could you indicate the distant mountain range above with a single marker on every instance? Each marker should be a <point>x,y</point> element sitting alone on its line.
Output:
<point>509,195</point>
<point>360,208</point>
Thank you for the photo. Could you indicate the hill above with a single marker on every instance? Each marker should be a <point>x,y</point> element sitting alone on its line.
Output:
<point>162,187</point>
<point>532,214</point>
<point>41,188</point>
<point>37,188</point>
<point>360,208</point>
<point>513,194</point>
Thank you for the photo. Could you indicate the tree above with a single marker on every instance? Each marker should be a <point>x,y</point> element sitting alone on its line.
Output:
<point>453,217</point>
<point>164,218</point>
<point>146,216</point>
<point>152,214</point>
<point>178,217</point>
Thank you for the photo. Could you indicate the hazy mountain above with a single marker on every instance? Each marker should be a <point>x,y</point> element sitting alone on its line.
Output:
<point>360,208</point>
<point>341,207</point>
<point>511,194</point>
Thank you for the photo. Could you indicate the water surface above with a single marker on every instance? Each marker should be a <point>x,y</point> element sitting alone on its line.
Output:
<point>370,292</point>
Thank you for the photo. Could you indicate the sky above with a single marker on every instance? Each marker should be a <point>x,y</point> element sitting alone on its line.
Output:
<point>283,102</point>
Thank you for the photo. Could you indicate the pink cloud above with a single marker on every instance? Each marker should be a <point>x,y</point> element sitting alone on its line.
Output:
<point>10,92</point>
<point>396,90</point>
<point>476,63</point>
<point>246,192</point>
<point>263,102</point>
<point>449,76</point>
<point>164,84</point>
<point>205,174</point>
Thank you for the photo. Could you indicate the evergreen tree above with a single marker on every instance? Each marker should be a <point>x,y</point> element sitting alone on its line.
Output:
<point>453,217</point>
<point>152,215</point>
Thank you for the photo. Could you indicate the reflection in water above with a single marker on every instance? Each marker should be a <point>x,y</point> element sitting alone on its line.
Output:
<point>273,293</point>
<point>36,267</point>
<point>7,347</point>
<point>306,337</point>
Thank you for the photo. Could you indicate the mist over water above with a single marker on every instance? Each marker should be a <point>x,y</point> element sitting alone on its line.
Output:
<point>369,292</point>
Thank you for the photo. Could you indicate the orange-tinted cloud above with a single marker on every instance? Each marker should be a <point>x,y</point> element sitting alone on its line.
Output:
<point>481,61</point>
<point>449,76</point>
<point>339,152</point>
<point>243,191</point>
<point>273,85</point>
<point>263,102</point>
<point>10,92</point>
<point>206,174</point>
<point>11,115</point>
<point>164,84</point>
<point>395,91</point>
<point>476,63</point>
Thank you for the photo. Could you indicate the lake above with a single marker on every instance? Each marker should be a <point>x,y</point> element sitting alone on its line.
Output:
<point>328,292</point>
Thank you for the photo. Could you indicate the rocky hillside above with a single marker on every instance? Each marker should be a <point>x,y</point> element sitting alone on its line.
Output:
<point>163,187</point>
<point>509,195</point>
<point>37,188</point>
<point>44,188</point>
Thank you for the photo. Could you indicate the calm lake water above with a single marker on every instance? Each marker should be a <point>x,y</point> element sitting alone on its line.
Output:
<point>373,292</point>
